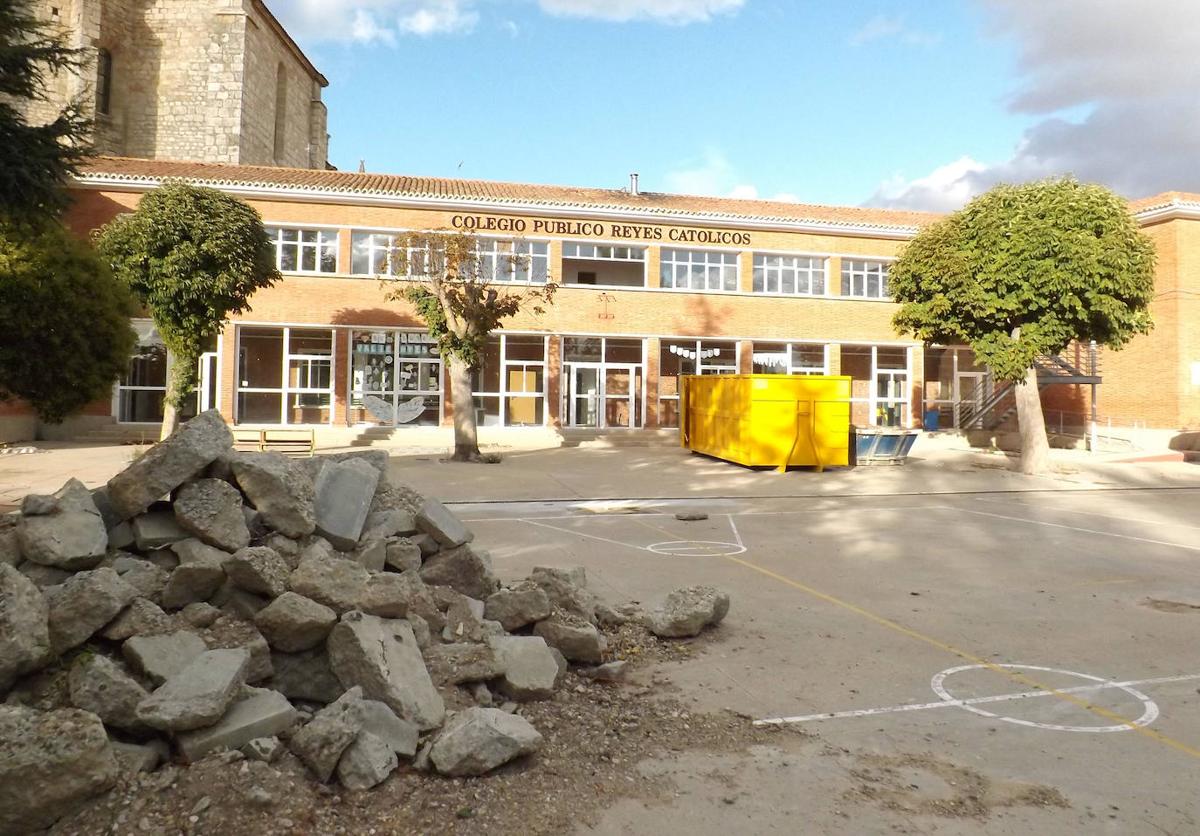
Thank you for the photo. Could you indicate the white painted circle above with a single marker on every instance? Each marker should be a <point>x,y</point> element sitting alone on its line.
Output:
<point>1149,713</point>
<point>696,548</point>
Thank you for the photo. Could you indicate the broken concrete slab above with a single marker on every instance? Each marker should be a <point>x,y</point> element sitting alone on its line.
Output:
<point>102,686</point>
<point>69,535</point>
<point>261,713</point>
<point>43,577</point>
<point>199,575</point>
<point>51,762</point>
<point>366,762</point>
<point>463,568</point>
<point>436,520</point>
<point>371,554</point>
<point>133,758</point>
<point>344,491</point>
<point>24,626</point>
<point>306,676</point>
<point>211,510</point>
<point>230,632</point>
<point>477,740</point>
<point>292,623</point>
<point>156,529</point>
<point>198,695</point>
<point>686,611</point>
<point>385,524</point>
<point>265,749</point>
<point>577,640</point>
<point>169,464</point>
<point>402,554</point>
<point>147,578</point>
<point>567,589</point>
<point>392,595</point>
<point>323,739</point>
<point>454,664</point>
<point>517,606</point>
<point>381,656</point>
<point>376,718</point>
<point>332,581</point>
<point>160,657</point>
<point>259,570</point>
<point>83,604</point>
<point>530,671</point>
<point>280,489</point>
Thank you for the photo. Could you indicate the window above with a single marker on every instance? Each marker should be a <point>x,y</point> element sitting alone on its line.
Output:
<point>285,376</point>
<point>369,253</point>
<point>396,378</point>
<point>280,142</point>
<point>677,358</point>
<point>613,265</point>
<point>790,358</point>
<point>510,386</point>
<point>865,279</point>
<point>879,384</point>
<point>300,250</point>
<point>789,274</point>
<point>515,261</point>
<point>104,82</point>
<point>699,270</point>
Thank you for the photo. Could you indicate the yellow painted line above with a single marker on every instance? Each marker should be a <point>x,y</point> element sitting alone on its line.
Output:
<point>949,648</point>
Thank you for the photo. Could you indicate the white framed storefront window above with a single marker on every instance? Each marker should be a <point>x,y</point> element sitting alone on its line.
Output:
<point>680,357</point>
<point>509,389</point>
<point>395,378</point>
<point>285,376</point>
<point>791,358</point>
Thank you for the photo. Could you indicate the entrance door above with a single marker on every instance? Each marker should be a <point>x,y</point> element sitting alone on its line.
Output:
<point>206,392</point>
<point>619,400</point>
<point>968,394</point>
<point>891,397</point>
<point>584,395</point>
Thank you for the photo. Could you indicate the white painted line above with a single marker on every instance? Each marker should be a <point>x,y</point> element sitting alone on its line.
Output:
<point>956,703</point>
<point>736,534</point>
<point>1187,546</point>
<point>1072,512</point>
<point>581,534</point>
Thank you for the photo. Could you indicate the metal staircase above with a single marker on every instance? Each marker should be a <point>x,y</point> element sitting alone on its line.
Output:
<point>997,401</point>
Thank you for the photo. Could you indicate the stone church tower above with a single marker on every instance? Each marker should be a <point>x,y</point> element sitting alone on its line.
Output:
<point>204,80</point>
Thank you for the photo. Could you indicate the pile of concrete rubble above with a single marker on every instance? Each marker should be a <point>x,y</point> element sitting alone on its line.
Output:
<point>207,599</point>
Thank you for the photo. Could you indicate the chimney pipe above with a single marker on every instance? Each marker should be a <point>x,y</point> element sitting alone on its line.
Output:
<point>633,183</point>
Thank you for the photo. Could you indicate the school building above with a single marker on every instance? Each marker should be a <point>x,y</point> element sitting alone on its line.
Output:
<point>652,286</point>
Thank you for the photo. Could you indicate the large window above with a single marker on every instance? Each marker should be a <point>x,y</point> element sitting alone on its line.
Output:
<point>285,376</point>
<point>879,384</point>
<point>677,358</point>
<point>515,261</point>
<point>299,250</point>
<point>789,274</point>
<point>369,253</point>
<point>865,279</point>
<point>698,270</point>
<point>510,386</point>
<point>104,68</point>
<point>142,389</point>
<point>615,265</point>
<point>395,378</point>
<point>603,382</point>
<point>790,358</point>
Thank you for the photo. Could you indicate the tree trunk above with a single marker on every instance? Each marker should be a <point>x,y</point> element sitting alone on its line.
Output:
<point>170,412</point>
<point>466,441</point>
<point>1035,447</point>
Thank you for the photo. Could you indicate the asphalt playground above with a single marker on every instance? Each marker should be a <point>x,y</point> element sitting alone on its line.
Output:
<point>1015,659</point>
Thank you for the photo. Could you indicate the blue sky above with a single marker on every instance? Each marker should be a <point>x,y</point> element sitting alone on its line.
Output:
<point>887,103</point>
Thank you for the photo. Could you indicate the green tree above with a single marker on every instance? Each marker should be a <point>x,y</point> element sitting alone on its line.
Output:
<point>462,301</point>
<point>35,159</point>
<point>193,256</point>
<point>1024,271</point>
<point>65,320</point>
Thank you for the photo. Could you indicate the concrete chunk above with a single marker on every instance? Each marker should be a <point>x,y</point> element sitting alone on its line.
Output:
<point>436,520</point>
<point>199,694</point>
<point>83,604</point>
<point>517,607</point>
<point>101,686</point>
<point>402,554</point>
<point>578,641</point>
<point>230,632</point>
<point>376,718</point>
<point>262,714</point>
<point>24,627</point>
<point>292,623</point>
<point>343,498</point>
<point>463,568</point>
<point>156,529</point>
<point>67,533</point>
<point>477,740</point>
<point>453,664</point>
<point>161,657</point>
<point>332,581</point>
<point>280,489</point>
<point>687,611</point>
<point>211,509</point>
<point>199,575</point>
<point>260,570</point>
<point>328,734</point>
<point>530,671</point>
<point>366,763</point>
<point>306,675</point>
<point>169,464</point>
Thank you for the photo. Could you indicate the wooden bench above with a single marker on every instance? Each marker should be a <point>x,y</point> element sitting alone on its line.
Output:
<point>292,442</point>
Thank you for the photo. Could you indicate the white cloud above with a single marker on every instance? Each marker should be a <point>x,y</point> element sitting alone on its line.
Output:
<point>885,27</point>
<point>665,11</point>
<point>713,175</point>
<point>511,27</point>
<point>1130,66</point>
<point>380,21</point>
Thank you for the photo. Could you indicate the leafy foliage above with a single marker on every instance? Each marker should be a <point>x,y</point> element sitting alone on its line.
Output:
<point>456,297</point>
<point>64,317</point>
<point>193,256</point>
<point>1026,270</point>
<point>35,160</point>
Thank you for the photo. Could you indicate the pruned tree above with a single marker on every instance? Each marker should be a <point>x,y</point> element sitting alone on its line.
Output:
<point>1024,271</point>
<point>64,317</point>
<point>35,159</point>
<point>457,292</point>
<point>193,256</point>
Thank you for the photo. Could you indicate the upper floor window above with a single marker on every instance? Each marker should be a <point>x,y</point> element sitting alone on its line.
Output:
<point>789,274</point>
<point>610,265</point>
<point>104,82</point>
<point>300,250</point>
<point>515,261</point>
<point>602,252</point>
<point>369,253</point>
<point>699,270</point>
<point>865,279</point>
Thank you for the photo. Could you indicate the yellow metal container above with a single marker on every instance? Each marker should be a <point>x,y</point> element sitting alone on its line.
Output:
<point>767,419</point>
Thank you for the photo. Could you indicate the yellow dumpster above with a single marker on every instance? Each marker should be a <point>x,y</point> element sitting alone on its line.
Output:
<point>767,419</point>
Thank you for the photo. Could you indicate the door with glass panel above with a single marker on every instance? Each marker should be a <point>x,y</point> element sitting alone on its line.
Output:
<point>396,379</point>
<point>619,402</point>
<point>891,398</point>
<point>584,395</point>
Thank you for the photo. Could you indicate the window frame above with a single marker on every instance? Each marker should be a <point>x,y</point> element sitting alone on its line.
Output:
<point>789,349</point>
<point>327,243</point>
<point>504,393</point>
<point>761,274</point>
<point>104,67</point>
<point>859,271</point>
<point>670,264</point>
<point>286,391</point>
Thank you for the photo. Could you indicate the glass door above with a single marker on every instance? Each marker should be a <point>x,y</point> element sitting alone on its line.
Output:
<point>619,389</point>
<point>891,397</point>
<point>968,394</point>
<point>584,395</point>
